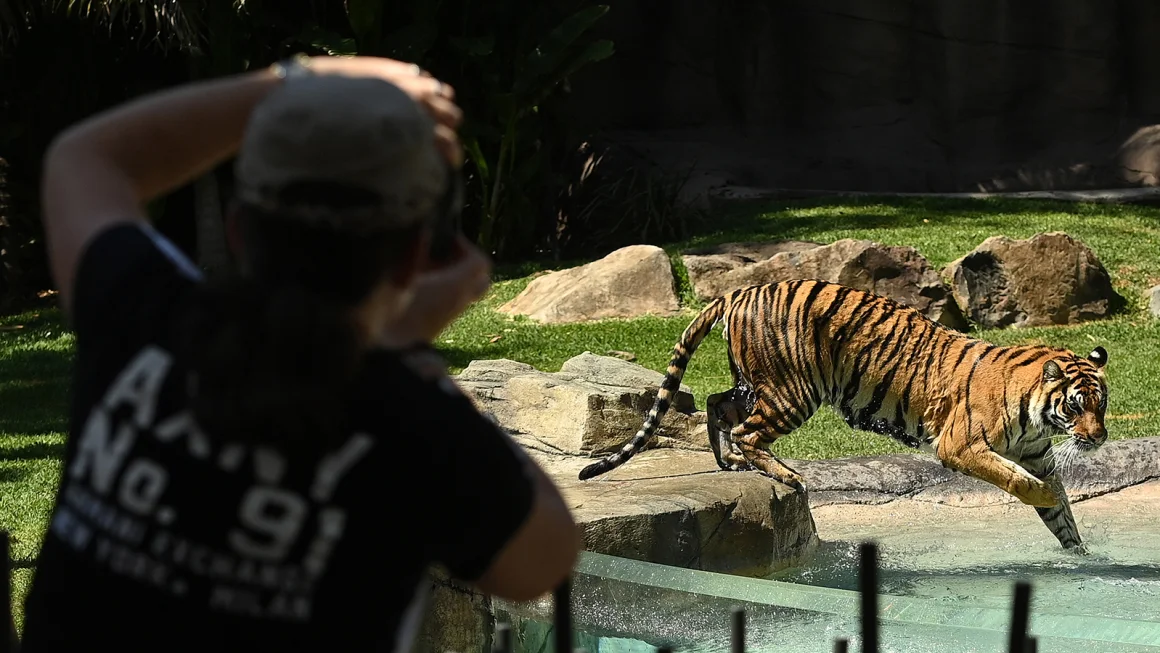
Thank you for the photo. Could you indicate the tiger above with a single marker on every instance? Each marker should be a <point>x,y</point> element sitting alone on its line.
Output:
<point>983,410</point>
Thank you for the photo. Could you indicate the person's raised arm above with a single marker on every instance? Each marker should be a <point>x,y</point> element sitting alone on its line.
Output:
<point>507,529</point>
<point>104,170</point>
<point>541,553</point>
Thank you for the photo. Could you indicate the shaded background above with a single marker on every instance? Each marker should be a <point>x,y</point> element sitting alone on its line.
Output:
<point>587,123</point>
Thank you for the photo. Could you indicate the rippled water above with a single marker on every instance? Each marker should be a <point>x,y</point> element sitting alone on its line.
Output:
<point>1113,582</point>
<point>940,594</point>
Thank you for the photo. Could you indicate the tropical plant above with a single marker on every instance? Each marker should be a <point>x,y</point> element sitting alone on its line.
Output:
<point>619,198</point>
<point>507,60</point>
<point>168,23</point>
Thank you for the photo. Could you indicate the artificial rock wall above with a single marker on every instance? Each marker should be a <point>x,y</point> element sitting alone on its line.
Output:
<point>886,95</point>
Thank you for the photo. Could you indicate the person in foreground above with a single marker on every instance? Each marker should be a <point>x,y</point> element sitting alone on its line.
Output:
<point>275,462</point>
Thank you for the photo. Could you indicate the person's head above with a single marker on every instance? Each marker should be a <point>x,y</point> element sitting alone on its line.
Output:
<point>338,183</point>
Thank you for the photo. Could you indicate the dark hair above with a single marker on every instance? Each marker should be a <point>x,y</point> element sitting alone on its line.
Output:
<point>274,354</point>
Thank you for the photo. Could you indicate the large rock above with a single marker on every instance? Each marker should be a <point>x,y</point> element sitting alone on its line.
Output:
<point>678,508</point>
<point>898,272</point>
<point>630,282</point>
<point>593,405</point>
<point>1049,279</point>
<point>1153,299</point>
<point>667,506</point>
<point>717,269</point>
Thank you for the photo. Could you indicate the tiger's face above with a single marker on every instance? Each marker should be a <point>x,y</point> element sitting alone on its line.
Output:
<point>1077,398</point>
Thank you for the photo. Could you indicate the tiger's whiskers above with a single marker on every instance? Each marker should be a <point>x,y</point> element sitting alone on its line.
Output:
<point>1065,454</point>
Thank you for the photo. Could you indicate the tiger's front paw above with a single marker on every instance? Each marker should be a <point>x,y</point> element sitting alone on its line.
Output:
<point>1078,549</point>
<point>1037,493</point>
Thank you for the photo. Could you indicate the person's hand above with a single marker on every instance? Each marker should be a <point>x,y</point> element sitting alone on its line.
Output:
<point>441,295</point>
<point>436,97</point>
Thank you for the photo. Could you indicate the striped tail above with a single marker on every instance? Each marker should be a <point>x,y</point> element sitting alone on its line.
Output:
<point>682,352</point>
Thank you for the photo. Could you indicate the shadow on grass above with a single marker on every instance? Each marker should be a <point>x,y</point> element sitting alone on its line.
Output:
<point>765,219</point>
<point>457,356</point>
<point>35,370</point>
<point>38,409</point>
<point>34,451</point>
<point>12,474</point>
<point>776,219</point>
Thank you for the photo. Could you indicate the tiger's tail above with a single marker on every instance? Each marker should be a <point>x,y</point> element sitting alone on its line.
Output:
<point>682,352</point>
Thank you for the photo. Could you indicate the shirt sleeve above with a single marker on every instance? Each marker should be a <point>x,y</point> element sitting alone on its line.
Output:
<point>483,479</point>
<point>125,275</point>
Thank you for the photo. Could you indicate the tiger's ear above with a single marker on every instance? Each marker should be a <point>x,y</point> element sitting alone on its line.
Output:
<point>1099,356</point>
<point>1052,371</point>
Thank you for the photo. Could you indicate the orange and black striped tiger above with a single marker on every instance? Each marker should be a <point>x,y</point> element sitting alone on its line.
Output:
<point>983,410</point>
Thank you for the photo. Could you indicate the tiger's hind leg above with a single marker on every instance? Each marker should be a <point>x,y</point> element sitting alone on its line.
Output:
<point>716,415</point>
<point>753,438</point>
<point>724,411</point>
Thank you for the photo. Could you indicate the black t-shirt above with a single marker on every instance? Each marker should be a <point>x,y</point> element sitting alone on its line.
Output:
<point>166,538</point>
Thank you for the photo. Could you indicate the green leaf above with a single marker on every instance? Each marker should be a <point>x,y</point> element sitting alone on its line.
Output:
<point>474,46</point>
<point>10,18</point>
<point>527,169</point>
<point>363,15</point>
<point>506,105</point>
<point>426,10</point>
<point>473,152</point>
<point>593,52</point>
<point>547,56</point>
<point>10,131</point>
<point>412,42</point>
<point>487,132</point>
<point>366,20</point>
<point>328,41</point>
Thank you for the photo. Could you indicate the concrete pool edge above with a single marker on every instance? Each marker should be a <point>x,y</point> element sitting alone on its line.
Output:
<point>1117,465</point>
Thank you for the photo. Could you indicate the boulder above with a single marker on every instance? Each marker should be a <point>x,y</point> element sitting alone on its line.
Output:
<point>678,508</point>
<point>716,270</point>
<point>1153,298</point>
<point>592,406</point>
<point>1048,279</point>
<point>630,282</point>
<point>897,272</point>
<point>666,506</point>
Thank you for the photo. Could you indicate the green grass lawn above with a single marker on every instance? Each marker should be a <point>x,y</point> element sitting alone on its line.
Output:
<point>1125,238</point>
<point>34,388</point>
<point>35,359</point>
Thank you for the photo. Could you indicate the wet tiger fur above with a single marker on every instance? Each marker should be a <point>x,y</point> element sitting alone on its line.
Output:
<point>984,410</point>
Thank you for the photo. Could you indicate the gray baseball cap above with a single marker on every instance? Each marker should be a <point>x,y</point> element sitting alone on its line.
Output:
<point>363,132</point>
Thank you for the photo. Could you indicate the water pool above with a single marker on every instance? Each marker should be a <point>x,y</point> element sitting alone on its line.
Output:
<point>944,589</point>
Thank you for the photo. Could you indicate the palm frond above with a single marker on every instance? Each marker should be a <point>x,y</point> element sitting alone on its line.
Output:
<point>170,24</point>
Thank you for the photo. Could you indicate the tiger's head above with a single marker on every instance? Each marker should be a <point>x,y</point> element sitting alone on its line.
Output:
<point>1075,398</point>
